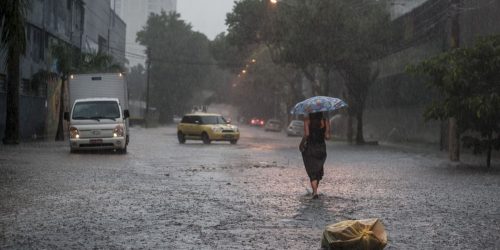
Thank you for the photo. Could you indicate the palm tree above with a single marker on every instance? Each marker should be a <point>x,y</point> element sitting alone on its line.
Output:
<point>64,56</point>
<point>13,39</point>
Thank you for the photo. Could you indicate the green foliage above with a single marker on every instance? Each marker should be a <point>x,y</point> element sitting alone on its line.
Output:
<point>259,91</point>
<point>248,22</point>
<point>180,62</point>
<point>342,35</point>
<point>468,81</point>
<point>12,22</point>
<point>69,60</point>
<point>136,80</point>
<point>13,39</point>
<point>227,55</point>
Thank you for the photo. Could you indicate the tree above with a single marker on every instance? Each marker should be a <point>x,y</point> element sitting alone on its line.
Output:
<point>227,55</point>
<point>136,80</point>
<point>180,62</point>
<point>13,39</point>
<point>467,80</point>
<point>343,36</point>
<point>264,86</point>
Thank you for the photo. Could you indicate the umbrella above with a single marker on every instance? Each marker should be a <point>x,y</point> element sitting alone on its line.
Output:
<point>318,104</point>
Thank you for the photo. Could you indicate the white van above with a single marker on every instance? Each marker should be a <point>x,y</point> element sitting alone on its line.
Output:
<point>99,112</point>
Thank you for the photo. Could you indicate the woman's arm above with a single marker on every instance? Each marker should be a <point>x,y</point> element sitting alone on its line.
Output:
<point>306,127</point>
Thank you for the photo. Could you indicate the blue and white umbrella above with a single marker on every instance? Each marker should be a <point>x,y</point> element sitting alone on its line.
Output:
<point>318,104</point>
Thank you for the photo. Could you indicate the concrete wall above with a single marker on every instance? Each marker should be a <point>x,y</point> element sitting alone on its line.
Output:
<point>478,18</point>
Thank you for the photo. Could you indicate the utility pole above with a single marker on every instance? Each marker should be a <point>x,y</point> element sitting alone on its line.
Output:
<point>148,76</point>
<point>453,130</point>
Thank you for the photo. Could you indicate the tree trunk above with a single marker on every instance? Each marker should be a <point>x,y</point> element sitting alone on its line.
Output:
<point>443,145</point>
<point>453,140</point>
<point>12,108</point>
<point>166,117</point>
<point>316,89</point>
<point>359,131</point>
<point>326,85</point>
<point>349,128</point>
<point>60,124</point>
<point>490,148</point>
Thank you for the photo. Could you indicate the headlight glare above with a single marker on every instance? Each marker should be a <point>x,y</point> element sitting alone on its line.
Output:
<point>74,133</point>
<point>118,131</point>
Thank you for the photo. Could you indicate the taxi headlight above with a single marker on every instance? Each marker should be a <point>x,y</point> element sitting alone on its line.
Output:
<point>118,131</point>
<point>74,133</point>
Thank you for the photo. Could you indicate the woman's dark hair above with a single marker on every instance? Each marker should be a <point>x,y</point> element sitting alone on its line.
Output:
<point>317,115</point>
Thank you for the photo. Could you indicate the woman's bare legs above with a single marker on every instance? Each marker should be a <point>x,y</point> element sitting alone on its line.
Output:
<point>314,186</point>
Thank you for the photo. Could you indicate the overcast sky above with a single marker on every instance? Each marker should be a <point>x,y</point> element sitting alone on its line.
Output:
<point>206,16</point>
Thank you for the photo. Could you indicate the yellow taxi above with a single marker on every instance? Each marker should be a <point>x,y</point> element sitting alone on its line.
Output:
<point>206,127</point>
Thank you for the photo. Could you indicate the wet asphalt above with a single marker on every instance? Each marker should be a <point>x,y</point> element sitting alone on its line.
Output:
<point>253,195</point>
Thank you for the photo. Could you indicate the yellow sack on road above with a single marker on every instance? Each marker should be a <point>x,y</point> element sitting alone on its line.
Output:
<point>355,234</point>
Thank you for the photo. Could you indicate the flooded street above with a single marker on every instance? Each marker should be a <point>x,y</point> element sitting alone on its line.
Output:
<point>253,195</point>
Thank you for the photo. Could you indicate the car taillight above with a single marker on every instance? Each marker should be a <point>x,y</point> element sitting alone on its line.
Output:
<point>118,131</point>
<point>74,133</point>
<point>261,122</point>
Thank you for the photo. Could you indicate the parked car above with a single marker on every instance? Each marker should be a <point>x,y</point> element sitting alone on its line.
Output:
<point>257,122</point>
<point>273,125</point>
<point>206,127</point>
<point>296,128</point>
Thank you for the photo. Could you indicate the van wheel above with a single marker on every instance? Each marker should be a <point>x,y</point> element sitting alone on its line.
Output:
<point>205,138</point>
<point>181,137</point>
<point>233,141</point>
<point>122,150</point>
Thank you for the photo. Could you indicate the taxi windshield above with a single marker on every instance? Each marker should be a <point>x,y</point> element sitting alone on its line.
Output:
<point>213,120</point>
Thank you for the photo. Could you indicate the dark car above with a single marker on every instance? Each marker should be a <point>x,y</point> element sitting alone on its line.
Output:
<point>273,125</point>
<point>257,122</point>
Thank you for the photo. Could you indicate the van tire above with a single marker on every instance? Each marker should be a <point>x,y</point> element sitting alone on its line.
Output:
<point>122,150</point>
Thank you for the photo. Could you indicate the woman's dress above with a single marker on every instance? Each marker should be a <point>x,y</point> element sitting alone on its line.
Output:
<point>315,154</point>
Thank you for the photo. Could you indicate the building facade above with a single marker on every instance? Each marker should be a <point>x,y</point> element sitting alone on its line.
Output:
<point>397,100</point>
<point>84,25</point>
<point>136,13</point>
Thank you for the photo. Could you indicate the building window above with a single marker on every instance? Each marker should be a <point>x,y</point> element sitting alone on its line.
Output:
<point>37,45</point>
<point>102,43</point>
<point>3,83</point>
<point>78,16</point>
<point>25,87</point>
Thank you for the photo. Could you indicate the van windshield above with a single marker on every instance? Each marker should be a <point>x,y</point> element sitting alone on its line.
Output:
<point>96,110</point>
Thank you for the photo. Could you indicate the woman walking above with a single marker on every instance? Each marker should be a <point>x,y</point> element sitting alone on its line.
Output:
<point>316,130</point>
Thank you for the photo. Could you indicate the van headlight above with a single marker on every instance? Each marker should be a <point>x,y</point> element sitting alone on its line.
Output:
<point>118,131</point>
<point>74,133</point>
